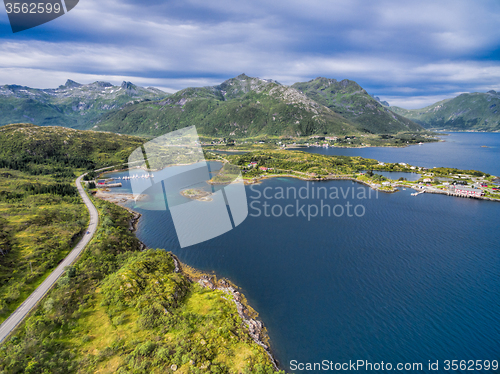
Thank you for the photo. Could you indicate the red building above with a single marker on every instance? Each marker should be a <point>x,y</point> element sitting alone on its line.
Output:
<point>468,191</point>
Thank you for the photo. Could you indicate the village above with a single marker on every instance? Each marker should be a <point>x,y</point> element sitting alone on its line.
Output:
<point>437,180</point>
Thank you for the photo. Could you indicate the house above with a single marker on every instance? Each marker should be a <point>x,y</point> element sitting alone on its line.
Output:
<point>468,191</point>
<point>427,180</point>
<point>263,168</point>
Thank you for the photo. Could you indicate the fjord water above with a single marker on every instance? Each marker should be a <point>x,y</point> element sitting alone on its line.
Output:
<point>414,279</point>
<point>468,151</point>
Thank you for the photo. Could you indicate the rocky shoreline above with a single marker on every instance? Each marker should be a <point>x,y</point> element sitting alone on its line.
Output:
<point>256,329</point>
<point>316,179</point>
<point>374,187</point>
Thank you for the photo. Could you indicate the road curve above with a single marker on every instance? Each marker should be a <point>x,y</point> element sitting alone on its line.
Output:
<point>22,311</point>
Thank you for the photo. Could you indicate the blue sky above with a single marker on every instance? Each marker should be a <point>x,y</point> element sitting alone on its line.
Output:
<point>410,53</point>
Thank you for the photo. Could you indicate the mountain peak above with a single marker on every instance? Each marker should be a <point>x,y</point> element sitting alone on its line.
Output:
<point>384,103</point>
<point>350,100</point>
<point>71,83</point>
<point>102,84</point>
<point>127,85</point>
<point>323,79</point>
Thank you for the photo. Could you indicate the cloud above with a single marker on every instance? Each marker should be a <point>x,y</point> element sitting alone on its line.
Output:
<point>416,102</point>
<point>392,48</point>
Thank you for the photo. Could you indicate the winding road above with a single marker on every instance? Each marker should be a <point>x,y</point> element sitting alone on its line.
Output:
<point>22,311</point>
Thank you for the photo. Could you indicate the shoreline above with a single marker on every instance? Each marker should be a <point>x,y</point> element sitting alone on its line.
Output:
<point>376,188</point>
<point>295,148</point>
<point>313,179</point>
<point>255,327</point>
<point>122,198</point>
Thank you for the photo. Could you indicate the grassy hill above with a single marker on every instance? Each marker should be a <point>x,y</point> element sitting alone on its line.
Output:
<point>51,149</point>
<point>352,102</point>
<point>72,105</point>
<point>117,309</point>
<point>239,107</point>
<point>120,310</point>
<point>41,213</point>
<point>469,111</point>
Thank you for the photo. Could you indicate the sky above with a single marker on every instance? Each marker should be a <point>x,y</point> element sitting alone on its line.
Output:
<point>410,53</point>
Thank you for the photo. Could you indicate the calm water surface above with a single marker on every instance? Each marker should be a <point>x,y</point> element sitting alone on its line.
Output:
<point>413,279</point>
<point>476,151</point>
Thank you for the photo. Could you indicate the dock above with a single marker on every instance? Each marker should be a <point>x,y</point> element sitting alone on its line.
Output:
<point>113,185</point>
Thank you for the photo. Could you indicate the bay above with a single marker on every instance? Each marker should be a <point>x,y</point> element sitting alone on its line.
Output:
<point>409,280</point>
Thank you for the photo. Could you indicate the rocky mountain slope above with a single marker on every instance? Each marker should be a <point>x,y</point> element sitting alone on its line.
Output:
<point>239,107</point>
<point>466,112</point>
<point>351,101</point>
<point>72,105</point>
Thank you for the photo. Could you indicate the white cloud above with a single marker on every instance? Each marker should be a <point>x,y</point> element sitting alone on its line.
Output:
<point>390,47</point>
<point>415,102</point>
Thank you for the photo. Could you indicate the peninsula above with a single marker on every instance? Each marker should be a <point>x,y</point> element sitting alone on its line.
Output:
<point>258,165</point>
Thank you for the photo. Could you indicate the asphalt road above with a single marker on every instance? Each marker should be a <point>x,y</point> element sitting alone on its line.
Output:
<point>22,311</point>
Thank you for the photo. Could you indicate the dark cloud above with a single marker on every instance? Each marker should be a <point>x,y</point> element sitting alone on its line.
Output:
<point>406,51</point>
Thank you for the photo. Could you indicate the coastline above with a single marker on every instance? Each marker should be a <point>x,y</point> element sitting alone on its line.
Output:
<point>121,198</point>
<point>296,148</point>
<point>374,187</point>
<point>255,327</point>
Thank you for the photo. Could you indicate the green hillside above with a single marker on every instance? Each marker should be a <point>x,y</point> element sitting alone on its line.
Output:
<point>72,105</point>
<point>118,309</point>
<point>41,213</point>
<point>350,100</point>
<point>469,111</point>
<point>46,149</point>
<point>122,310</point>
<point>239,107</point>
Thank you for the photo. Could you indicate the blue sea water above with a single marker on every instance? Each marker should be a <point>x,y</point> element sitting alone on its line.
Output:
<point>395,175</point>
<point>412,279</point>
<point>470,151</point>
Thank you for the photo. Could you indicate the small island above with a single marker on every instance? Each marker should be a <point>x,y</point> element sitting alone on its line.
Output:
<point>197,194</point>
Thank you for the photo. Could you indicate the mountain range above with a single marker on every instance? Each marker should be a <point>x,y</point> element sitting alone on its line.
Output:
<point>247,107</point>
<point>71,105</point>
<point>240,107</point>
<point>351,101</point>
<point>469,111</point>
